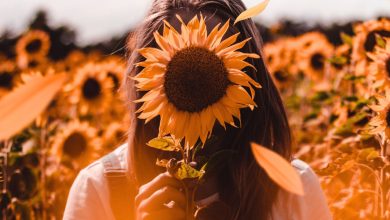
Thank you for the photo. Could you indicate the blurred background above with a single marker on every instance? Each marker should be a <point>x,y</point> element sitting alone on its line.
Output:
<point>316,52</point>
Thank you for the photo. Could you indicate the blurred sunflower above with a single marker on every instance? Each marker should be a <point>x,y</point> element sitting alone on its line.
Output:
<point>341,58</point>
<point>35,44</point>
<point>379,67</point>
<point>8,76</point>
<point>312,58</point>
<point>380,124</point>
<point>34,64</point>
<point>273,56</point>
<point>194,79</point>
<point>75,58</point>
<point>76,142</point>
<point>282,78</point>
<point>365,41</point>
<point>90,89</point>
<point>281,55</point>
<point>115,69</point>
<point>114,135</point>
<point>307,40</point>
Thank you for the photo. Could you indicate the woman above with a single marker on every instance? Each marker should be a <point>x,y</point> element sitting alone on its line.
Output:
<point>127,184</point>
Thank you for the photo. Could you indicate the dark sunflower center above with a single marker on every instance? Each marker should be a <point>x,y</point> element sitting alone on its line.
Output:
<point>34,46</point>
<point>281,76</point>
<point>33,64</point>
<point>270,59</point>
<point>75,145</point>
<point>115,80</point>
<point>317,61</point>
<point>388,118</point>
<point>195,79</point>
<point>91,88</point>
<point>6,80</point>
<point>388,67</point>
<point>371,39</point>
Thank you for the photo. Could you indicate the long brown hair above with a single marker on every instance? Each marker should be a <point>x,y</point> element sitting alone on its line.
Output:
<point>243,185</point>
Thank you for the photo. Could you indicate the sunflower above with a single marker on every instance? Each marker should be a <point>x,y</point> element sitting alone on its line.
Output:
<point>309,39</point>
<point>313,55</point>
<point>76,142</point>
<point>365,41</point>
<point>280,54</point>
<point>34,44</point>
<point>8,76</point>
<point>90,89</point>
<point>273,56</point>
<point>114,135</point>
<point>380,124</point>
<point>34,64</point>
<point>194,79</point>
<point>341,58</point>
<point>115,69</point>
<point>379,67</point>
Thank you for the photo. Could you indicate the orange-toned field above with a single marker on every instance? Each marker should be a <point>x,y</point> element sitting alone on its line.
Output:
<point>337,98</point>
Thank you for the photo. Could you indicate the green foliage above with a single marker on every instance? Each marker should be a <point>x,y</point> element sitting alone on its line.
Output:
<point>164,144</point>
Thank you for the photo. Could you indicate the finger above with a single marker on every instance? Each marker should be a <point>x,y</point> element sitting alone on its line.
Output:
<point>166,214</point>
<point>164,179</point>
<point>162,196</point>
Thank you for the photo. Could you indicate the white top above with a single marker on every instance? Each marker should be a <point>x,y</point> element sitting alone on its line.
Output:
<point>88,197</point>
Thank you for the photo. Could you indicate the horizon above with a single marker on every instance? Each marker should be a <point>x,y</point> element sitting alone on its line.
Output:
<point>107,20</point>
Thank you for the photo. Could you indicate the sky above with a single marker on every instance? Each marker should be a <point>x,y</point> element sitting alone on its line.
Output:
<point>97,20</point>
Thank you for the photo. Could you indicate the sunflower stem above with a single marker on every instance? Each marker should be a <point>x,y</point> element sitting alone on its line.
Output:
<point>42,163</point>
<point>382,176</point>
<point>190,190</point>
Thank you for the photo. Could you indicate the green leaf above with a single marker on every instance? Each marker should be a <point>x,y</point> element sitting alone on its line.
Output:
<point>380,41</point>
<point>361,117</point>
<point>351,98</point>
<point>310,116</point>
<point>373,155</point>
<point>320,96</point>
<point>365,153</point>
<point>344,130</point>
<point>347,39</point>
<point>352,77</point>
<point>165,144</point>
<point>185,171</point>
<point>338,60</point>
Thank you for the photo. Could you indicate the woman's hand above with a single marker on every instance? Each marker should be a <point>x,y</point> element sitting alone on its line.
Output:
<point>160,199</point>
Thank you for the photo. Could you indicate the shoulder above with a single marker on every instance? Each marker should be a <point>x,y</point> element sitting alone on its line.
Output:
<point>90,190</point>
<point>95,172</point>
<point>312,205</point>
<point>306,173</point>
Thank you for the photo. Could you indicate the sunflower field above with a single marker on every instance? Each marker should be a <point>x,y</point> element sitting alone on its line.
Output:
<point>335,84</point>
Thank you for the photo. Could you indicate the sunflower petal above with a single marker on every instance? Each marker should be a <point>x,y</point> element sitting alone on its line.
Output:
<point>152,94</point>
<point>219,35</point>
<point>241,56</point>
<point>237,64</point>
<point>162,43</point>
<point>233,48</point>
<point>228,42</point>
<point>218,115</point>
<point>212,35</point>
<point>239,94</point>
<point>154,54</point>
<point>193,129</point>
